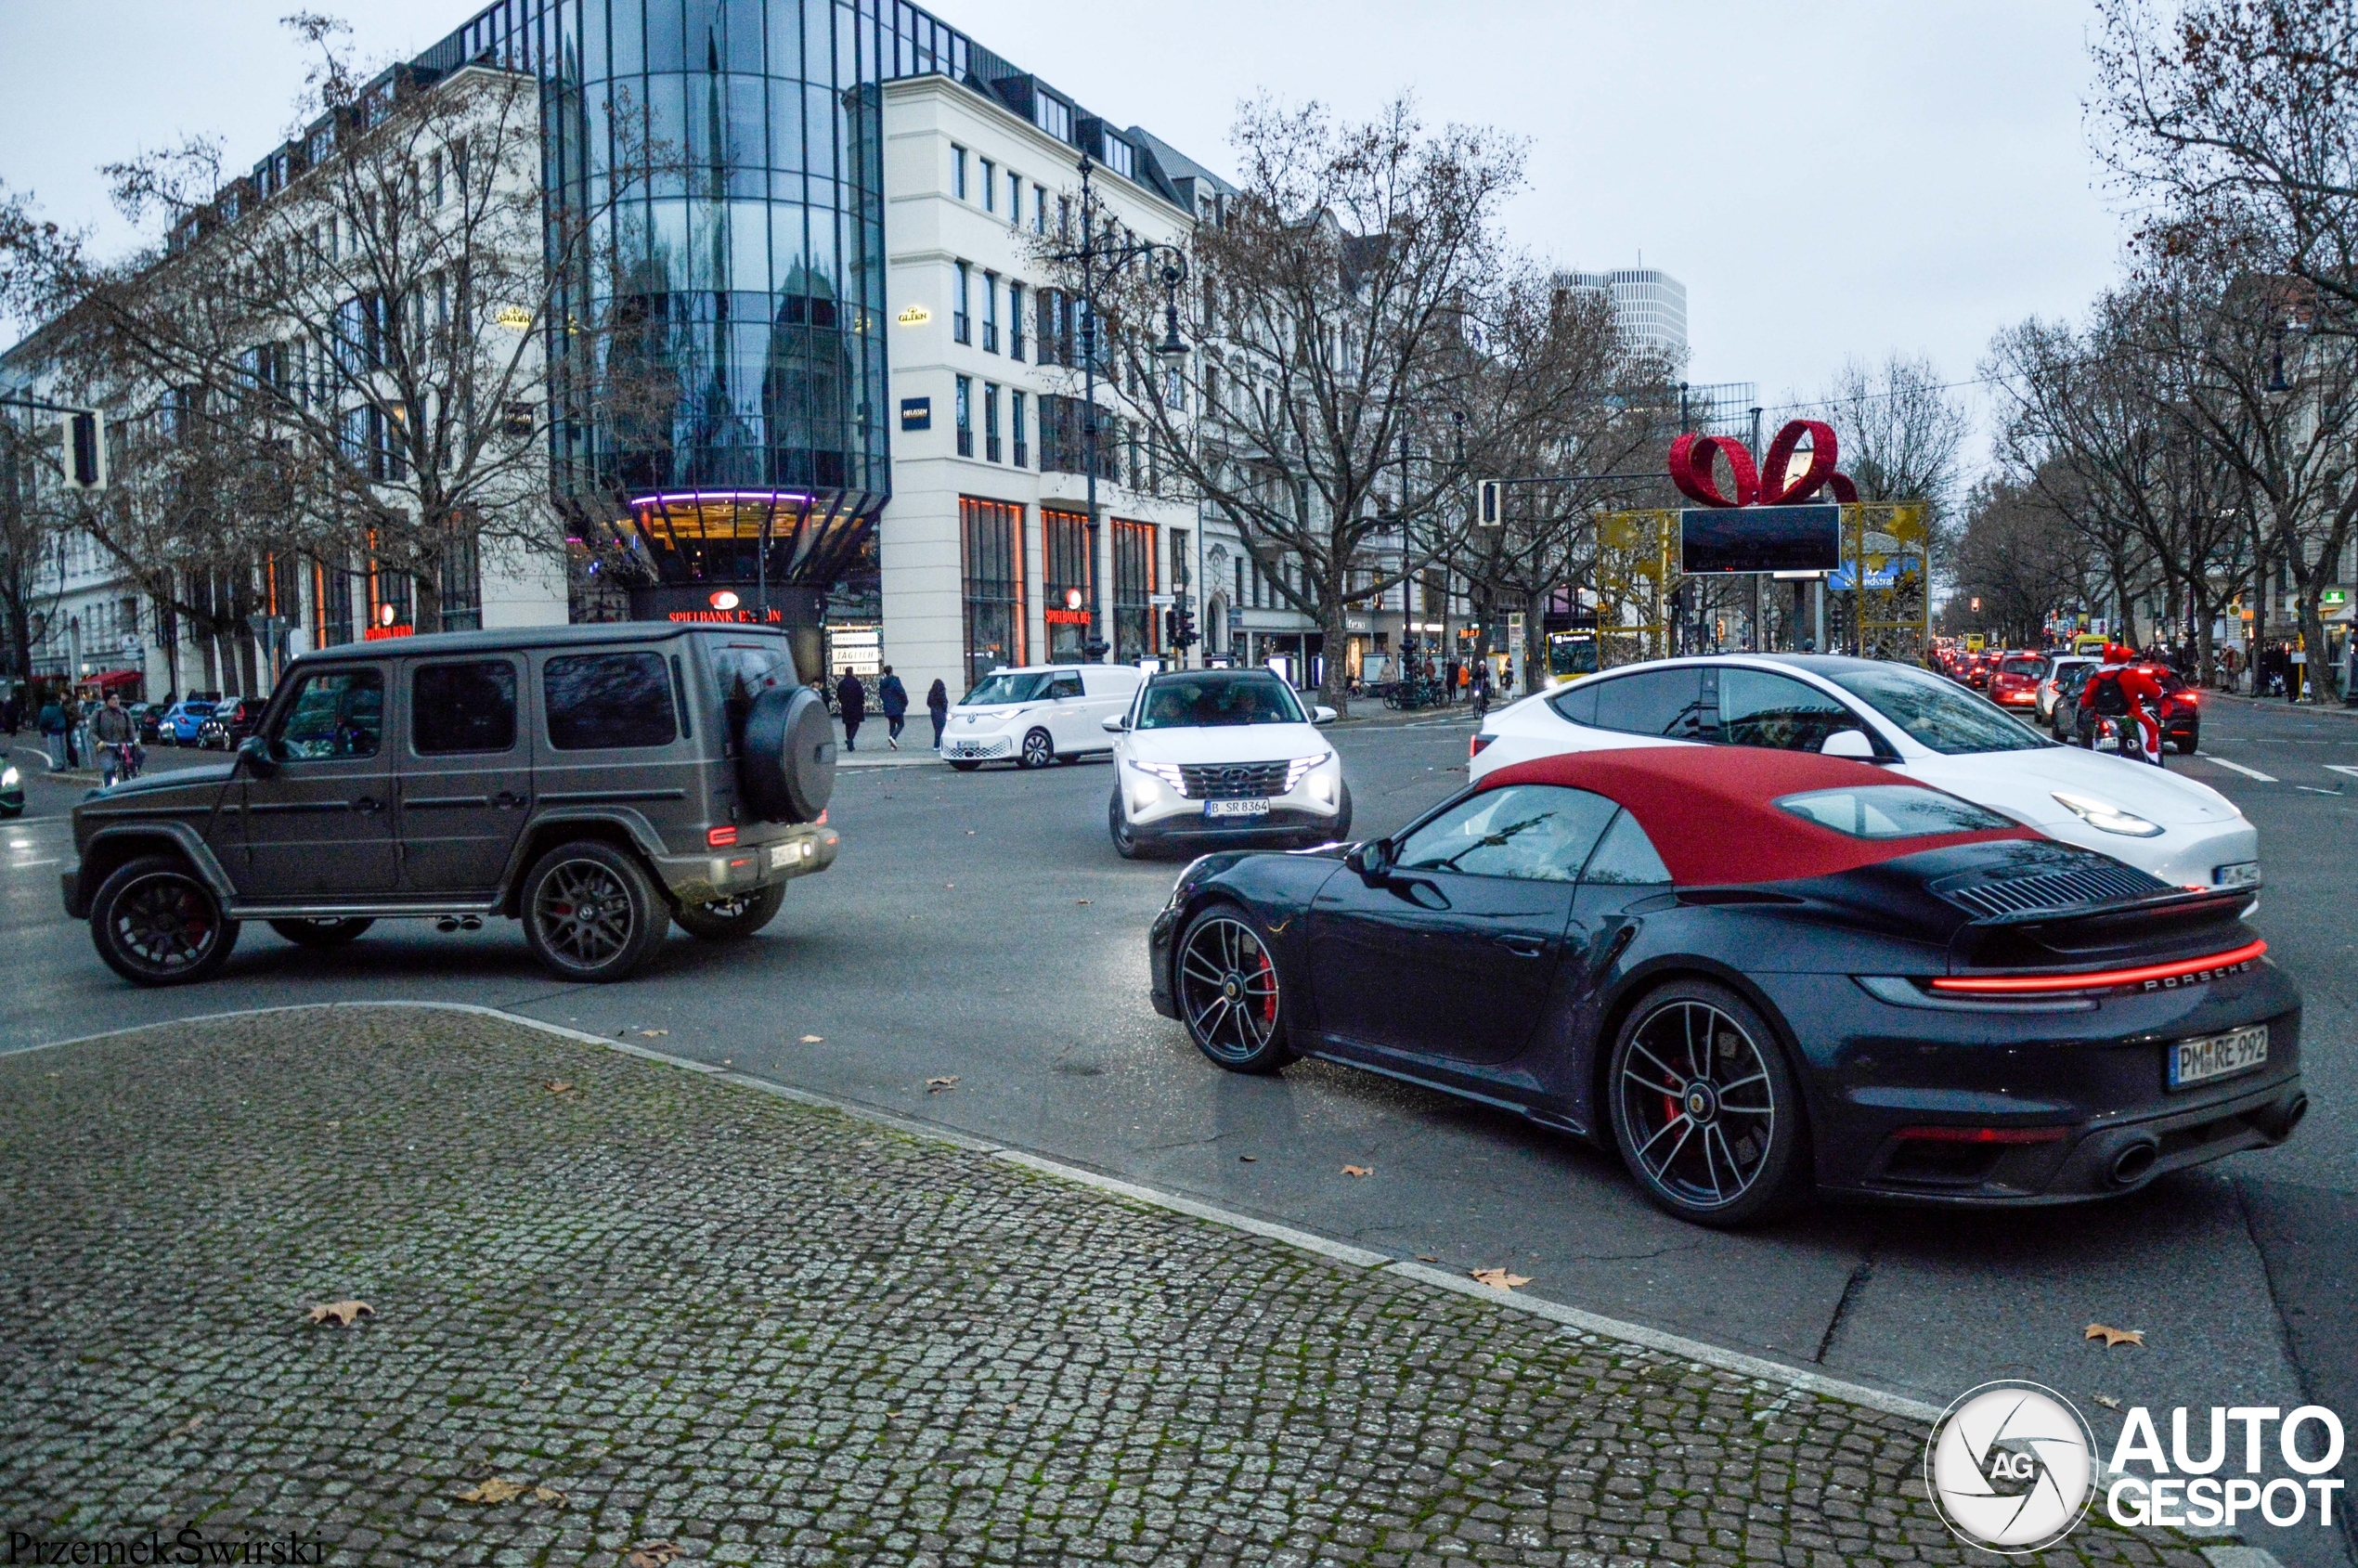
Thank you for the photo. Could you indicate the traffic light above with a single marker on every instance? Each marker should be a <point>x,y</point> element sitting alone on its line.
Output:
<point>1487,510</point>
<point>1183,634</point>
<point>1171,629</point>
<point>85,453</point>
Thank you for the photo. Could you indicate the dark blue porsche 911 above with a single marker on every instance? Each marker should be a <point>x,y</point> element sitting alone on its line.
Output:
<point>1754,975</point>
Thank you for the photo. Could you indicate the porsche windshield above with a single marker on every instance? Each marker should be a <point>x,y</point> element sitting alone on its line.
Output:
<point>1216,698</point>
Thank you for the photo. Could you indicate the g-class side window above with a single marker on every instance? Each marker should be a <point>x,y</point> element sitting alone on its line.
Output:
<point>598,702</point>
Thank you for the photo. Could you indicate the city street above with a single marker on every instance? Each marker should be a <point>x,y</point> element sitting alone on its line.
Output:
<point>979,927</point>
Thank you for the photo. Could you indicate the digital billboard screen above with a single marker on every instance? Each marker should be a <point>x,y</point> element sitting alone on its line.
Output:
<point>1760,538</point>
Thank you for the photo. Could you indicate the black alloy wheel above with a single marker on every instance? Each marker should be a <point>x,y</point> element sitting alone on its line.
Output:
<point>1126,842</point>
<point>321,933</point>
<point>1039,750</point>
<point>1706,1109</point>
<point>156,923</point>
<point>1229,992</point>
<point>591,912</point>
<point>724,920</point>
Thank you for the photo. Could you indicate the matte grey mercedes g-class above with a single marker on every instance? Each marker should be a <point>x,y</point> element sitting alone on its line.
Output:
<point>596,783</point>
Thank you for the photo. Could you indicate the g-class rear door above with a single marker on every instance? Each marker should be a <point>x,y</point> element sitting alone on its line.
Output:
<point>466,772</point>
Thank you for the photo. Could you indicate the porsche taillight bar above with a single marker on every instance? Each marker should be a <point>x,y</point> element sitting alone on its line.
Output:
<point>2099,979</point>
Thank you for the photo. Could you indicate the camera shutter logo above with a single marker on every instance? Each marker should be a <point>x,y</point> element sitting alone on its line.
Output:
<point>2010,1467</point>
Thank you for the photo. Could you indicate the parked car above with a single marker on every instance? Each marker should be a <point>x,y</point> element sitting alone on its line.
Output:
<point>1212,756</point>
<point>147,720</point>
<point>1037,714</point>
<point>2058,666</point>
<point>2014,681</point>
<point>597,784</point>
<point>1804,973</point>
<point>231,721</point>
<point>182,720</point>
<point>1912,722</point>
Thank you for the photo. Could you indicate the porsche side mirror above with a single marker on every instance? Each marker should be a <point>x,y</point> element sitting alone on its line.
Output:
<point>253,755</point>
<point>1372,857</point>
<point>1115,725</point>
<point>1322,714</point>
<point>1849,743</point>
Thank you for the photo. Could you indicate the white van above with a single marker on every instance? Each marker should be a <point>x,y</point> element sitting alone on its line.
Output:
<point>1037,714</point>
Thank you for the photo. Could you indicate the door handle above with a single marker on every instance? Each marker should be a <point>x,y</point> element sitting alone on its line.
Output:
<point>368,803</point>
<point>1523,947</point>
<point>508,797</point>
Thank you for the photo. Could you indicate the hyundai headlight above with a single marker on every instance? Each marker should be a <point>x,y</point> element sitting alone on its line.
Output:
<point>1300,768</point>
<point>1167,771</point>
<point>2106,817</point>
<point>10,778</point>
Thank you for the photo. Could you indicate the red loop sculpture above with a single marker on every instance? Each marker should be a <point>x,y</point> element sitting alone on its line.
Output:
<point>1691,463</point>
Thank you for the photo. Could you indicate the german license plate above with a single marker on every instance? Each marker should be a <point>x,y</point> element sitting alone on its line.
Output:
<point>2217,1055</point>
<point>1216,808</point>
<point>781,853</point>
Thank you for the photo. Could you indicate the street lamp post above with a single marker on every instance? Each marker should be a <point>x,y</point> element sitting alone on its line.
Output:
<point>1089,255</point>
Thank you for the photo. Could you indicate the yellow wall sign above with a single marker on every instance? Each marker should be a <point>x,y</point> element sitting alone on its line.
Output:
<point>915,316</point>
<point>515,317</point>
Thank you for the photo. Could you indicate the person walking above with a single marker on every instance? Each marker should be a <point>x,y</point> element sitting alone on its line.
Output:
<point>893,697</point>
<point>112,732</point>
<point>938,709</point>
<point>52,730</point>
<point>853,698</point>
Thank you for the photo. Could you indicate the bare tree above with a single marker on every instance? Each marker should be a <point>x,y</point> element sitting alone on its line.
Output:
<point>368,342</point>
<point>1340,379</point>
<point>2020,557</point>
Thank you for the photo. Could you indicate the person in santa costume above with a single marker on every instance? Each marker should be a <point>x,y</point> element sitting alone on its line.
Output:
<point>2121,688</point>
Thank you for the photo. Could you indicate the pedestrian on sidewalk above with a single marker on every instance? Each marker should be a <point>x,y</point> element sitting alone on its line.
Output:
<point>853,698</point>
<point>52,730</point>
<point>893,697</point>
<point>938,709</point>
<point>111,730</point>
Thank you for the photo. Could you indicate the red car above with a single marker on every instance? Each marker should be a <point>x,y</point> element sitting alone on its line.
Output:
<point>2014,683</point>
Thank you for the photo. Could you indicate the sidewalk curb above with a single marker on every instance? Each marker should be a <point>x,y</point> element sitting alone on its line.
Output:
<point>2277,704</point>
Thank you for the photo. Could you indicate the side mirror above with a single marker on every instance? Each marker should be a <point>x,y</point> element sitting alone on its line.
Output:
<point>1115,724</point>
<point>1372,857</point>
<point>1322,714</point>
<point>253,755</point>
<point>1849,743</point>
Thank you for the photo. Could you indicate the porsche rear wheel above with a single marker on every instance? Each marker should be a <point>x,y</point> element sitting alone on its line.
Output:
<point>1706,1108</point>
<point>1229,992</point>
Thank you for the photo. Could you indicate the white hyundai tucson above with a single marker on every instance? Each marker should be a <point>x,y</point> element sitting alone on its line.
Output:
<point>1912,722</point>
<point>1211,755</point>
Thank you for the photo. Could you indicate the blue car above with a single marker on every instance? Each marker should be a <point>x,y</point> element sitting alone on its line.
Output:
<point>182,720</point>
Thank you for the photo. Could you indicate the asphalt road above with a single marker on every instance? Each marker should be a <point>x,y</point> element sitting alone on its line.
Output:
<point>979,927</point>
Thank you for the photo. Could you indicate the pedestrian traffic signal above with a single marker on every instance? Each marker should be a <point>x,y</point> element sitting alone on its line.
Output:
<point>1183,627</point>
<point>1487,510</point>
<point>85,453</point>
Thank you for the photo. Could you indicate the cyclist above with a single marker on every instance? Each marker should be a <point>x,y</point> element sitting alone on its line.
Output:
<point>2118,689</point>
<point>115,736</point>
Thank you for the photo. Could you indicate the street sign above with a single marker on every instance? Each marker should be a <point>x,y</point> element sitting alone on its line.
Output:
<point>1486,508</point>
<point>1719,539</point>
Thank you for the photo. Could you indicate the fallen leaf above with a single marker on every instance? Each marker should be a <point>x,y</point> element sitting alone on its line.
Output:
<point>653,1554</point>
<point>1249,1159</point>
<point>970,833</point>
<point>1499,1279</point>
<point>191,1424</point>
<point>812,1039</point>
<point>1358,1170</point>
<point>651,1033</point>
<point>492,1491</point>
<point>1427,1258</point>
<point>936,1085</point>
<point>557,1086</point>
<point>950,884</point>
<point>2108,1400</point>
<point>1081,900</point>
<point>342,1312</point>
<point>2112,1336</point>
<point>547,1495</point>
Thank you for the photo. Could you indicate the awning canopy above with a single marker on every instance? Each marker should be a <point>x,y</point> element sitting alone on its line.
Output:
<point>110,678</point>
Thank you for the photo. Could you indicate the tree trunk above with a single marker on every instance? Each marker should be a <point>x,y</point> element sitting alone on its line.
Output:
<point>2312,642</point>
<point>1334,674</point>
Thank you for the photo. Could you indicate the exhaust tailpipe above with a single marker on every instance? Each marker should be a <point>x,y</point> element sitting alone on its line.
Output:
<point>447,922</point>
<point>2135,1163</point>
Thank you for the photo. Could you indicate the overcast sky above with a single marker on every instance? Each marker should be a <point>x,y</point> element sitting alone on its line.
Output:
<point>1829,181</point>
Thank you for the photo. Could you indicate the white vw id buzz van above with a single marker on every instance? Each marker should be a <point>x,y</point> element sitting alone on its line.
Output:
<point>1037,714</point>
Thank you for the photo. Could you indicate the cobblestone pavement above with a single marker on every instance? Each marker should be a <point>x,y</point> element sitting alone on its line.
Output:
<point>674,1308</point>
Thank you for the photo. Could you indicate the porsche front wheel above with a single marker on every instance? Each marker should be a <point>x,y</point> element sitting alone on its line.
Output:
<point>1229,991</point>
<point>1706,1110</point>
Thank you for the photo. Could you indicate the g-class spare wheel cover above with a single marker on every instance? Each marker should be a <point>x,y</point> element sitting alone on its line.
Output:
<point>789,765</point>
